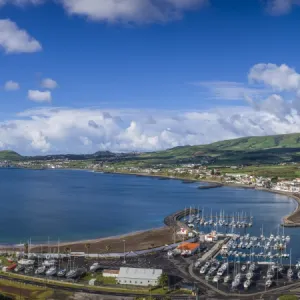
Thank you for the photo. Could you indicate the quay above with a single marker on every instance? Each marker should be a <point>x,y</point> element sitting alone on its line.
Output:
<point>214,251</point>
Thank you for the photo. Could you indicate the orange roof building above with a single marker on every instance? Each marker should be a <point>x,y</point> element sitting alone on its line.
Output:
<point>188,246</point>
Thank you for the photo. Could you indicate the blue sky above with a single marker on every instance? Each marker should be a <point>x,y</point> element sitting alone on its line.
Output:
<point>134,60</point>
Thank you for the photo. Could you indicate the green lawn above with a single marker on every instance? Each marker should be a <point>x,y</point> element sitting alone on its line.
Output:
<point>288,297</point>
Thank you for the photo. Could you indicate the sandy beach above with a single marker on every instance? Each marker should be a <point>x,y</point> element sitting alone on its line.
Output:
<point>134,241</point>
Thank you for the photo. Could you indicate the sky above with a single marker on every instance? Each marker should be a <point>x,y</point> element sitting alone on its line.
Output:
<point>79,76</point>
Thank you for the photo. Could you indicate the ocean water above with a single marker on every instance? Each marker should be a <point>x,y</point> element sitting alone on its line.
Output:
<point>74,205</point>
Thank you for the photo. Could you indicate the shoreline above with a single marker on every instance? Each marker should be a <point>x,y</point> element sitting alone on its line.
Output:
<point>154,234</point>
<point>286,222</point>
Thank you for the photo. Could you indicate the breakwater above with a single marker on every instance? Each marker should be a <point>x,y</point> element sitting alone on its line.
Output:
<point>210,186</point>
<point>173,219</point>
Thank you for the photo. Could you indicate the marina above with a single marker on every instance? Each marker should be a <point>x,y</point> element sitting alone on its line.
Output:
<point>230,262</point>
<point>229,238</point>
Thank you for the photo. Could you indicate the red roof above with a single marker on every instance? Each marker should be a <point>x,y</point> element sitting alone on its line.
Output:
<point>188,246</point>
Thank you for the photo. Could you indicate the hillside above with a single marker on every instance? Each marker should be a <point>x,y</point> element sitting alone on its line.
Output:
<point>248,150</point>
<point>258,143</point>
<point>9,155</point>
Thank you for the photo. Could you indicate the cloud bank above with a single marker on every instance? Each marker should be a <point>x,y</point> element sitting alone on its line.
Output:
<point>272,106</point>
<point>63,130</point>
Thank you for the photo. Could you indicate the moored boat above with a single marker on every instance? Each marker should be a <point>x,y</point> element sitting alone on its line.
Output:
<point>51,272</point>
<point>41,270</point>
<point>62,273</point>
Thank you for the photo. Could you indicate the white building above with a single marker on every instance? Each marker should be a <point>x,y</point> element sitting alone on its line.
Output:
<point>136,276</point>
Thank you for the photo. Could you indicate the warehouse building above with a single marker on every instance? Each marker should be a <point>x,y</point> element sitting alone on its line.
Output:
<point>141,277</point>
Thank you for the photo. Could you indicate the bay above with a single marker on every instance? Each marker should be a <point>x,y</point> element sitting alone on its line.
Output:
<point>74,205</point>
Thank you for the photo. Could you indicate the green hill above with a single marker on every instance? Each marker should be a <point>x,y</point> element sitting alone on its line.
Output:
<point>10,155</point>
<point>248,150</point>
<point>259,142</point>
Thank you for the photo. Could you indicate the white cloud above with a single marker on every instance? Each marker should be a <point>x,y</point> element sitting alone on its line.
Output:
<point>62,130</point>
<point>49,83</point>
<point>137,11</point>
<point>281,78</point>
<point>39,96</point>
<point>16,40</point>
<point>228,90</point>
<point>20,2</point>
<point>285,85</point>
<point>11,86</point>
<point>281,7</point>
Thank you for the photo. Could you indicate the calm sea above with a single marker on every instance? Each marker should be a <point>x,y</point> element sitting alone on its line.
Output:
<point>73,205</point>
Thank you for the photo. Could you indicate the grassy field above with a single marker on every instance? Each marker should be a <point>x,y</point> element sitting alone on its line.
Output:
<point>286,171</point>
<point>99,279</point>
<point>21,291</point>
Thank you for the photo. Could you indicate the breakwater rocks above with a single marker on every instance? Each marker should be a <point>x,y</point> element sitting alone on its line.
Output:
<point>210,186</point>
<point>174,219</point>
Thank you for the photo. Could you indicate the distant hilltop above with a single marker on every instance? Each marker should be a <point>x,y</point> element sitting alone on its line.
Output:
<point>10,155</point>
<point>247,150</point>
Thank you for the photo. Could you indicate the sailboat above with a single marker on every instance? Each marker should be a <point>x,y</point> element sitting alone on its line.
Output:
<point>184,218</point>
<point>210,222</point>
<point>247,284</point>
<point>40,270</point>
<point>202,221</point>
<point>243,268</point>
<point>269,283</point>
<point>262,237</point>
<point>62,272</point>
<point>290,272</point>
<point>19,268</point>
<point>52,271</point>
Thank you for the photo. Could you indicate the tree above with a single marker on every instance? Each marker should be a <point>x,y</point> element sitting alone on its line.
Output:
<point>108,248</point>
<point>26,246</point>
<point>67,250</point>
<point>87,247</point>
<point>163,280</point>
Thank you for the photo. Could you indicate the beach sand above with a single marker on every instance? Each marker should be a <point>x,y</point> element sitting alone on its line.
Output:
<point>141,240</point>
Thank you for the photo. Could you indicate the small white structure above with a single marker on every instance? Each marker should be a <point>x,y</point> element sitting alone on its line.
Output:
<point>111,273</point>
<point>141,277</point>
<point>182,231</point>
<point>92,282</point>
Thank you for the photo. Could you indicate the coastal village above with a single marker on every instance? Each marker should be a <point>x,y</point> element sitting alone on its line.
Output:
<point>184,171</point>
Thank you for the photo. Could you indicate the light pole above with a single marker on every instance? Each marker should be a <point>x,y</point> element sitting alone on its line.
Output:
<point>124,251</point>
